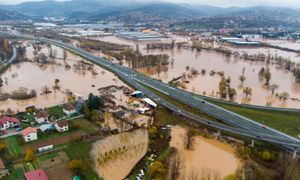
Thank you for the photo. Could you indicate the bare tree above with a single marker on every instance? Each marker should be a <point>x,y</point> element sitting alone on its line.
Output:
<point>45,90</point>
<point>288,166</point>
<point>273,87</point>
<point>189,137</point>
<point>208,174</point>
<point>52,53</point>
<point>194,175</point>
<point>284,96</point>
<point>65,54</point>
<point>175,166</point>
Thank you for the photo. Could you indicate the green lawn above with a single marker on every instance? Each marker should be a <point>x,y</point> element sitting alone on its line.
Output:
<point>48,156</point>
<point>163,116</point>
<point>12,145</point>
<point>85,125</point>
<point>56,111</point>
<point>29,166</point>
<point>82,151</point>
<point>51,135</point>
<point>287,122</point>
<point>79,150</point>
<point>15,173</point>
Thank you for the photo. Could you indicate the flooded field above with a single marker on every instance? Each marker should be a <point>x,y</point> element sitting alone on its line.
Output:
<point>291,44</point>
<point>266,51</point>
<point>33,75</point>
<point>233,68</point>
<point>116,155</point>
<point>208,85</point>
<point>208,157</point>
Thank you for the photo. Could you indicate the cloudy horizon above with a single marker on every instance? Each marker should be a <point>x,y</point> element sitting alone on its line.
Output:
<point>218,3</point>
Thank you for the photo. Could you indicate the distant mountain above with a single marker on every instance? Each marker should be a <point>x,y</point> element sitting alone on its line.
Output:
<point>247,18</point>
<point>53,8</point>
<point>151,9</point>
<point>11,15</point>
<point>162,10</point>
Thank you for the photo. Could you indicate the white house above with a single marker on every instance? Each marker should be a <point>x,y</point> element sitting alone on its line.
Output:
<point>41,117</point>
<point>7,122</point>
<point>61,125</point>
<point>29,134</point>
<point>69,109</point>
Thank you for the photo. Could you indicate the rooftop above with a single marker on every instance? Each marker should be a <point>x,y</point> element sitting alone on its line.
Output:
<point>62,123</point>
<point>38,174</point>
<point>5,119</point>
<point>29,130</point>
<point>41,114</point>
<point>69,107</point>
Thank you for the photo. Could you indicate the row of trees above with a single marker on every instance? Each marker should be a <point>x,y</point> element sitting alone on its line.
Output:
<point>5,49</point>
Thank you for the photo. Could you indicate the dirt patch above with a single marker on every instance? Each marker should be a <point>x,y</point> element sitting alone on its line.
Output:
<point>59,172</point>
<point>53,141</point>
<point>56,166</point>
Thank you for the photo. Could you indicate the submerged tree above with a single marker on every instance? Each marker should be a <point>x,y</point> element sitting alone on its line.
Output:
<point>247,91</point>
<point>189,137</point>
<point>273,87</point>
<point>175,166</point>
<point>267,76</point>
<point>231,93</point>
<point>284,96</point>
<point>242,78</point>
<point>45,90</point>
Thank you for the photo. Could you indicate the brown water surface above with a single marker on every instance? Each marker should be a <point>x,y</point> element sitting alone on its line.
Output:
<point>208,156</point>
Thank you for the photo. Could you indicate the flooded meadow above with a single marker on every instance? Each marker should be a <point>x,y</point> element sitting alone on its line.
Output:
<point>210,61</point>
<point>207,158</point>
<point>74,74</point>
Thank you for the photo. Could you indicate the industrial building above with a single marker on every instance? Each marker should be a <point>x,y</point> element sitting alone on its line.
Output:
<point>139,36</point>
<point>238,41</point>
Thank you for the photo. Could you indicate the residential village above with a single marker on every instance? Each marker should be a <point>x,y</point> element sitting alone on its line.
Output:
<point>37,137</point>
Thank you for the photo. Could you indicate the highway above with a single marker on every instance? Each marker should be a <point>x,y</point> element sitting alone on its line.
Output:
<point>11,59</point>
<point>233,122</point>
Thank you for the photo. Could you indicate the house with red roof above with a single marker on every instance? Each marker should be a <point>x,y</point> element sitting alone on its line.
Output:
<point>29,134</point>
<point>7,122</point>
<point>38,174</point>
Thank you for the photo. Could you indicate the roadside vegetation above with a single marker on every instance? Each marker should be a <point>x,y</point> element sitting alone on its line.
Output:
<point>287,122</point>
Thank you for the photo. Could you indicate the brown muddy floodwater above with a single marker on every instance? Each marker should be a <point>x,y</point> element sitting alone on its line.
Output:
<point>116,155</point>
<point>291,44</point>
<point>232,68</point>
<point>32,75</point>
<point>210,60</point>
<point>208,156</point>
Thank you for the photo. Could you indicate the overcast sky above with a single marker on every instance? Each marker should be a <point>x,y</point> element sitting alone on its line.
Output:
<point>222,3</point>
